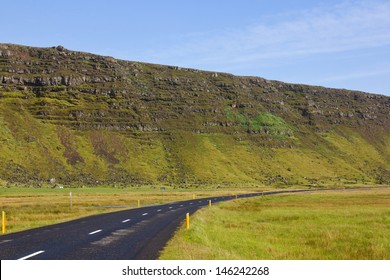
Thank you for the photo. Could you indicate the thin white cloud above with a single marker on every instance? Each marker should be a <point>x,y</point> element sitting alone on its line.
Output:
<point>344,27</point>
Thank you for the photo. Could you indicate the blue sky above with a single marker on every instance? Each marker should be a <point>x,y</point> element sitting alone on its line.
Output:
<point>342,44</point>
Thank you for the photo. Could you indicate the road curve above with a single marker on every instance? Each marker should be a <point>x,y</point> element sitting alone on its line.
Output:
<point>129,234</point>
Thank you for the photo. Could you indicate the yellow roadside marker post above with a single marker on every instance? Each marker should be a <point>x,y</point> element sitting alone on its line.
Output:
<point>3,230</point>
<point>139,203</point>
<point>193,196</point>
<point>210,202</point>
<point>188,221</point>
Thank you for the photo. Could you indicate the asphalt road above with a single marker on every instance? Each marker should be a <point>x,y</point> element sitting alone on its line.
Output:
<point>129,234</point>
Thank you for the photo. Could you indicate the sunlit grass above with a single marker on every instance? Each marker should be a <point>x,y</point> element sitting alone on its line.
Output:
<point>327,225</point>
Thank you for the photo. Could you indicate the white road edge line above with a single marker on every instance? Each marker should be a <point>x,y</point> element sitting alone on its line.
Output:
<point>96,231</point>
<point>125,221</point>
<point>31,255</point>
<point>144,214</point>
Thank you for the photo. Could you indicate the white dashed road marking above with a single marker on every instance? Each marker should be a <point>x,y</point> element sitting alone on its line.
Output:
<point>125,221</point>
<point>31,255</point>
<point>96,231</point>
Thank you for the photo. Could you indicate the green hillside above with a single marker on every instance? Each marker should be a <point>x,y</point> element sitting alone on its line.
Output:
<point>87,119</point>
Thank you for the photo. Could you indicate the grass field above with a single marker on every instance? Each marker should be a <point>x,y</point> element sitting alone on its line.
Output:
<point>328,225</point>
<point>33,207</point>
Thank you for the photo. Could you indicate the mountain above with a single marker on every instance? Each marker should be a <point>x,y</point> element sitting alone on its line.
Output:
<point>87,119</point>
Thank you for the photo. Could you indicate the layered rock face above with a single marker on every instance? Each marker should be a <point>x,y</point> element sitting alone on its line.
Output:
<point>85,118</point>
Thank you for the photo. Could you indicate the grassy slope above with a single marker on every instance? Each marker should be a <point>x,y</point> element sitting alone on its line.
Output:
<point>331,225</point>
<point>55,151</point>
<point>44,150</point>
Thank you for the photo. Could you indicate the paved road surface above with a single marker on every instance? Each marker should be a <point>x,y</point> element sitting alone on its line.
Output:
<point>130,234</point>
